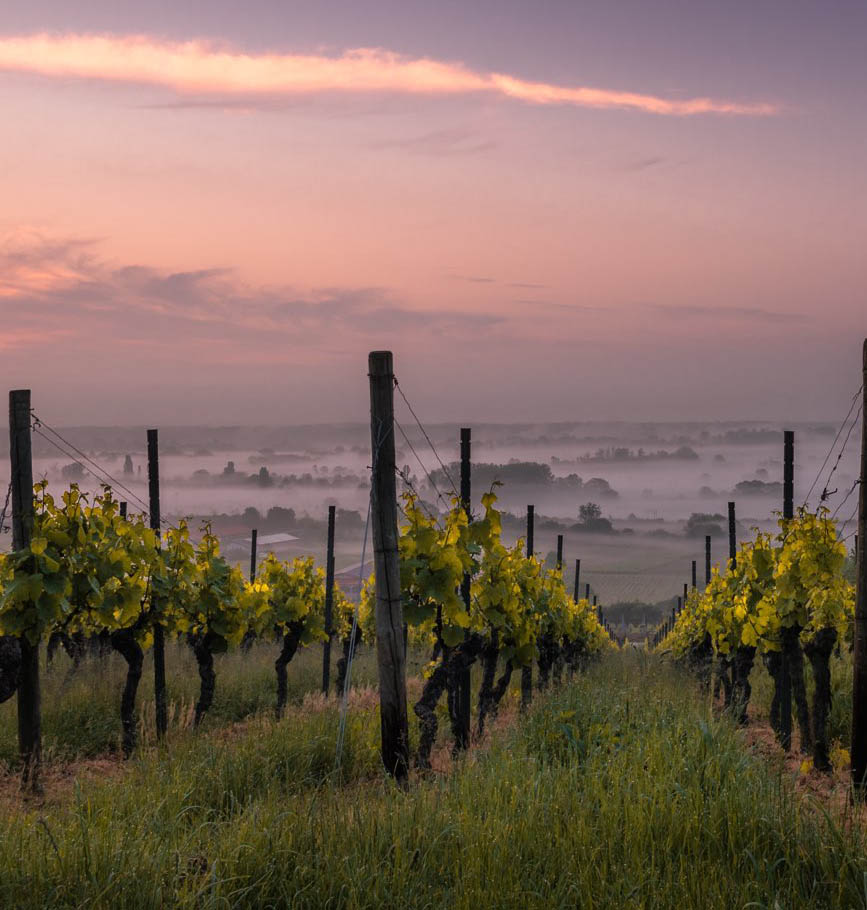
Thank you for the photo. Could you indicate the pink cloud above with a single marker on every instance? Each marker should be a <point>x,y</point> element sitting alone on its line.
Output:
<point>205,68</point>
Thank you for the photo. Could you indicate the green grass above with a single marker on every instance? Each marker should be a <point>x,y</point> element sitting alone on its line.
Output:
<point>81,710</point>
<point>618,791</point>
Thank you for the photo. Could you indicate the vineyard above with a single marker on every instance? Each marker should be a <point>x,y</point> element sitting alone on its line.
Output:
<point>780,598</point>
<point>91,578</point>
<point>547,763</point>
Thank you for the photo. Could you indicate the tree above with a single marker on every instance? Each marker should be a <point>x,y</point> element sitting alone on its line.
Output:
<point>127,465</point>
<point>251,517</point>
<point>278,515</point>
<point>703,524</point>
<point>589,512</point>
<point>73,471</point>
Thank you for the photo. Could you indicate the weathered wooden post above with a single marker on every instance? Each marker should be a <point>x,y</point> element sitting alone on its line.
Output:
<point>785,670</point>
<point>694,575</point>
<point>390,651</point>
<point>29,693</point>
<point>464,678</point>
<point>559,552</point>
<point>859,681</point>
<point>577,580</point>
<point>707,560</point>
<point>733,540</point>
<point>329,602</point>
<point>527,671</point>
<point>160,699</point>
<point>123,509</point>
<point>254,540</point>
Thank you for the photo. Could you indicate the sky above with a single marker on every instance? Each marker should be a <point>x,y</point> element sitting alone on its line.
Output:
<point>210,212</point>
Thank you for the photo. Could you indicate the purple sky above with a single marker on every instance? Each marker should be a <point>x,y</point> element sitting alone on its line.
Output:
<point>550,210</point>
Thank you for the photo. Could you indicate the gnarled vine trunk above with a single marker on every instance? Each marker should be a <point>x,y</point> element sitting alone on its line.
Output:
<point>526,686</point>
<point>502,687</point>
<point>818,650</point>
<point>10,666</point>
<point>793,653</point>
<point>425,710</point>
<point>700,661</point>
<point>201,645</point>
<point>349,646</point>
<point>574,655</point>
<point>545,661</point>
<point>490,656</point>
<point>460,661</point>
<point>742,663</point>
<point>445,677</point>
<point>723,680</point>
<point>558,662</point>
<point>124,642</point>
<point>773,661</point>
<point>291,640</point>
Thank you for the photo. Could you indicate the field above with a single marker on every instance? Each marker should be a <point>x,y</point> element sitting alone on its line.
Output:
<point>621,789</point>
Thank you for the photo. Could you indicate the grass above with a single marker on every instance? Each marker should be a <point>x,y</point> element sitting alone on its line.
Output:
<point>81,710</point>
<point>620,790</point>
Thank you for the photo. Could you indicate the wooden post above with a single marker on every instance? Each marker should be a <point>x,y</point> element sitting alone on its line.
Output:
<point>587,591</point>
<point>859,681</point>
<point>390,651</point>
<point>29,693</point>
<point>531,527</point>
<point>162,715</point>
<point>464,680</point>
<point>788,474</point>
<point>577,580</point>
<point>329,602</point>
<point>785,670</point>
<point>733,541</point>
<point>254,540</point>
<point>559,552</point>
<point>527,672</point>
<point>694,576</point>
<point>707,560</point>
<point>685,594</point>
<point>123,509</point>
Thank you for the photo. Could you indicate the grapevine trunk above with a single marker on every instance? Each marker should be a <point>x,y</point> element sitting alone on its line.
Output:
<point>490,655</point>
<point>124,642</point>
<point>291,640</point>
<point>773,661</point>
<point>201,645</point>
<point>742,664</point>
<point>793,653</point>
<point>425,710</point>
<point>818,650</point>
<point>10,666</point>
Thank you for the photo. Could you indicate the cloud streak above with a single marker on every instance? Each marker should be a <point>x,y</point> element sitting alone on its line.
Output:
<point>757,314</point>
<point>53,288</point>
<point>205,68</point>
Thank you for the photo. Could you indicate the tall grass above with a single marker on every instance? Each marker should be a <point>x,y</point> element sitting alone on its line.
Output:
<point>618,791</point>
<point>81,708</point>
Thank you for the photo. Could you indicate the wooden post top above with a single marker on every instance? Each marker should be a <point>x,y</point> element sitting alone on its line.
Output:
<point>380,363</point>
